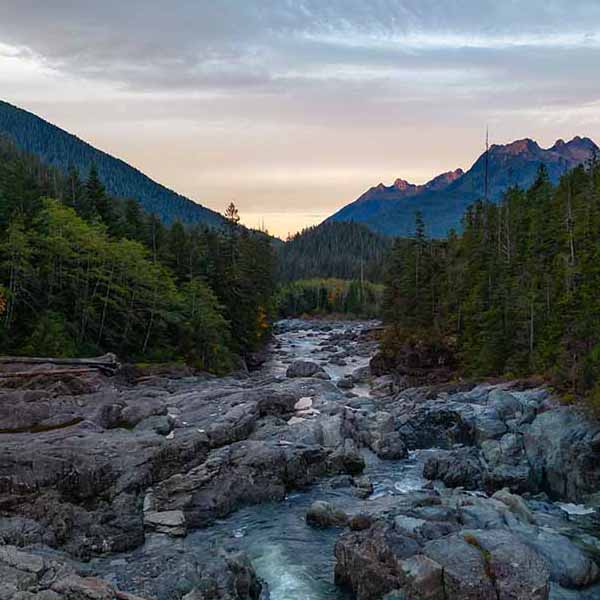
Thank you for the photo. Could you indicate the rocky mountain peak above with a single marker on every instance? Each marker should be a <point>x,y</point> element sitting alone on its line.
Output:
<point>403,185</point>
<point>518,147</point>
<point>444,180</point>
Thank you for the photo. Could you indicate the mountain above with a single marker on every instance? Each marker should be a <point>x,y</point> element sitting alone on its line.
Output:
<point>58,148</point>
<point>334,250</point>
<point>443,200</point>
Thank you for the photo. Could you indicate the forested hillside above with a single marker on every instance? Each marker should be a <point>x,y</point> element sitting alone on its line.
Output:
<point>517,292</point>
<point>82,273</point>
<point>334,250</point>
<point>60,149</point>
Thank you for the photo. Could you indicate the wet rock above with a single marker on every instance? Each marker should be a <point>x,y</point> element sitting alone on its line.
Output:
<point>361,374</point>
<point>363,487</point>
<point>461,467</point>
<point>390,446</point>
<point>360,522</point>
<point>346,383</point>
<point>323,514</point>
<point>303,368</point>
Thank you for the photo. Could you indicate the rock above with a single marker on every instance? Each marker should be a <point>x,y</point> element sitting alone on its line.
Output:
<point>515,570</point>
<point>390,446</point>
<point>361,374</point>
<point>423,578</point>
<point>382,386</point>
<point>489,426</point>
<point>368,562</point>
<point>363,487</point>
<point>161,425</point>
<point>461,467</point>
<point>516,504</point>
<point>171,522</point>
<point>568,565</point>
<point>505,404</point>
<point>303,404</point>
<point>323,514</point>
<point>360,522</point>
<point>74,587</point>
<point>560,449</point>
<point>408,525</point>
<point>26,576</point>
<point>303,368</point>
<point>345,384</point>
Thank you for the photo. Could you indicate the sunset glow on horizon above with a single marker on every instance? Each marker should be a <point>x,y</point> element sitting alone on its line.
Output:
<point>293,109</point>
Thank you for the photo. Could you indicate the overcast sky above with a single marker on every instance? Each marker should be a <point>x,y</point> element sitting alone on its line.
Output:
<point>293,108</point>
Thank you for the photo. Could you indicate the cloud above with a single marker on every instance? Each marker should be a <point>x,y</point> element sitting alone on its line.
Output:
<point>315,88</point>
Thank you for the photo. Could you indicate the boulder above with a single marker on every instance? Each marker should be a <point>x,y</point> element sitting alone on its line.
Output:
<point>461,467</point>
<point>323,514</point>
<point>304,368</point>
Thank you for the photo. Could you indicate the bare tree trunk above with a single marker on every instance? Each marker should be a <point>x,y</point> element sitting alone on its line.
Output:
<point>531,328</point>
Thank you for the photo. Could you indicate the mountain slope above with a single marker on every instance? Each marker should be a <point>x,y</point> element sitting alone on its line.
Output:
<point>58,148</point>
<point>443,200</point>
<point>339,250</point>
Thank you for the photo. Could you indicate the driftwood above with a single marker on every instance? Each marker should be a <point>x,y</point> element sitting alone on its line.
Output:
<point>59,372</point>
<point>107,364</point>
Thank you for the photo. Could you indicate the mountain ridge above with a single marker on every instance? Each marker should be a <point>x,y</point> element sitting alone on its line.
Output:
<point>59,148</point>
<point>442,200</point>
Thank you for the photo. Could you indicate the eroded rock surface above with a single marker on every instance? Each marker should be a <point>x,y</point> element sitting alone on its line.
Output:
<point>131,472</point>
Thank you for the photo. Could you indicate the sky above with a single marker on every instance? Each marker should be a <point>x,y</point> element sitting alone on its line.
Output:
<point>293,108</point>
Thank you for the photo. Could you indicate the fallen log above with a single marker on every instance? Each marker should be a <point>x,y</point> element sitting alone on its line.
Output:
<point>107,363</point>
<point>59,372</point>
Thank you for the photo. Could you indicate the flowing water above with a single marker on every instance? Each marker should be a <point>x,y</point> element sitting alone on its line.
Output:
<point>296,560</point>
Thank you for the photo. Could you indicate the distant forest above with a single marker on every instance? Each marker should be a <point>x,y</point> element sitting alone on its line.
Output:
<point>313,297</point>
<point>517,293</point>
<point>334,250</point>
<point>83,273</point>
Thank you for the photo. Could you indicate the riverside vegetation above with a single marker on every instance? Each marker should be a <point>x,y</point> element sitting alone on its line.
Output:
<point>516,293</point>
<point>84,273</point>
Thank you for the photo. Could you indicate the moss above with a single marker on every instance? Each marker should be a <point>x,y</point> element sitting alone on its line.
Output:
<point>486,555</point>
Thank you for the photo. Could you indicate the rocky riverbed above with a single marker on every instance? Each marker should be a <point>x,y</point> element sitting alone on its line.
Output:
<point>306,479</point>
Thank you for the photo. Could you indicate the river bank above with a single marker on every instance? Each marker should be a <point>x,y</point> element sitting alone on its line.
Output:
<point>199,487</point>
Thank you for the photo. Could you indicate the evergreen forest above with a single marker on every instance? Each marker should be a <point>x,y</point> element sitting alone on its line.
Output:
<point>83,273</point>
<point>517,292</point>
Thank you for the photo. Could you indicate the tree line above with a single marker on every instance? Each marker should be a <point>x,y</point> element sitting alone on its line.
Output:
<point>83,272</point>
<point>351,298</point>
<point>334,249</point>
<point>517,292</point>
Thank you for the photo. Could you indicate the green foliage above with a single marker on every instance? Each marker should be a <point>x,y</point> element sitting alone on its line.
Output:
<point>83,273</point>
<point>334,250</point>
<point>51,337</point>
<point>517,292</point>
<point>327,296</point>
